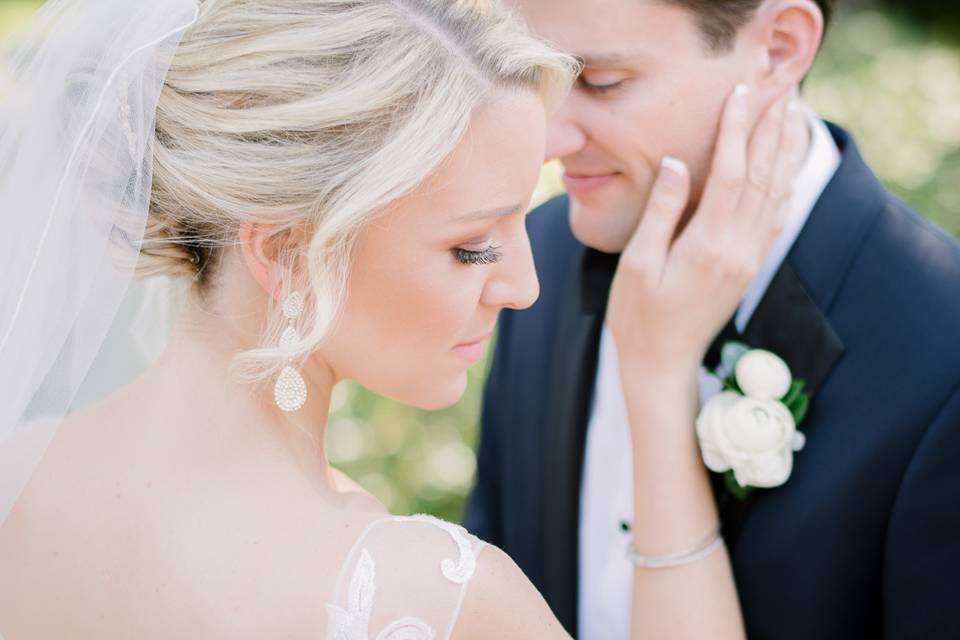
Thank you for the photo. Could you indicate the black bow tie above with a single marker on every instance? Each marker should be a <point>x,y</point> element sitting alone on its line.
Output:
<point>596,275</point>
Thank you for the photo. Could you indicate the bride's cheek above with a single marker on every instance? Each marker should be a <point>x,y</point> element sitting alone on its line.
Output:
<point>451,300</point>
<point>418,300</point>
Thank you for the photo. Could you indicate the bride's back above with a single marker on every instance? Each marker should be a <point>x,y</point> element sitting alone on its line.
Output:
<point>134,526</point>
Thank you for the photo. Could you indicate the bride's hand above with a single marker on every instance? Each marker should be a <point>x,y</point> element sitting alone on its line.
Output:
<point>673,293</point>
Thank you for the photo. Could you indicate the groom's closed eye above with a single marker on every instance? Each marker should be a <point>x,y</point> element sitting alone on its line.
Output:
<point>606,71</point>
<point>599,85</point>
<point>604,80</point>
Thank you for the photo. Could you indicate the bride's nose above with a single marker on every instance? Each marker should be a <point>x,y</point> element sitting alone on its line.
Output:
<point>513,283</point>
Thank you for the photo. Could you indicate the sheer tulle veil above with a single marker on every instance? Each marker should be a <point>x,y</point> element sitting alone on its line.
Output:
<point>79,86</point>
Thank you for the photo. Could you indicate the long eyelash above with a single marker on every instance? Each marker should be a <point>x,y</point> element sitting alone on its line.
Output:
<point>490,255</point>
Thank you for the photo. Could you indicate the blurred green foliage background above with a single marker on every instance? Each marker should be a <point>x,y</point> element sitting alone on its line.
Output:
<point>889,72</point>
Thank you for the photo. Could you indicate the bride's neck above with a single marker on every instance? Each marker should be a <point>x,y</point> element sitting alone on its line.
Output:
<point>195,367</point>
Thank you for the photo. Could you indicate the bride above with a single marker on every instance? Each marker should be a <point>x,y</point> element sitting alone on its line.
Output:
<point>343,183</point>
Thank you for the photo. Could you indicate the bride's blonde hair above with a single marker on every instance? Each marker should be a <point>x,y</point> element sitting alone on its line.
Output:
<point>314,114</point>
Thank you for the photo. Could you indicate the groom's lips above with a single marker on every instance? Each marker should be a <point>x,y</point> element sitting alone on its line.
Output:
<point>585,182</point>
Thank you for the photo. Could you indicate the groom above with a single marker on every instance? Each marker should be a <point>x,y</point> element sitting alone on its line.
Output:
<point>860,296</point>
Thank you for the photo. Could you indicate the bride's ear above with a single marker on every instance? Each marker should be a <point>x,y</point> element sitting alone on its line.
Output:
<point>253,247</point>
<point>790,33</point>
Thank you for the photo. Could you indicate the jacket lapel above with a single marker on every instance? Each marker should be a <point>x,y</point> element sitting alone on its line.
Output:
<point>791,319</point>
<point>575,356</point>
<point>788,323</point>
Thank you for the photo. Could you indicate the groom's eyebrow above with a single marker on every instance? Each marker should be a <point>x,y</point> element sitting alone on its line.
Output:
<point>601,58</point>
<point>496,212</point>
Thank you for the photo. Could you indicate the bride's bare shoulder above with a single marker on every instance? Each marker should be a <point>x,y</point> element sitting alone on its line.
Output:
<point>502,603</point>
<point>78,497</point>
<point>346,485</point>
<point>68,461</point>
<point>192,547</point>
<point>54,465</point>
<point>62,524</point>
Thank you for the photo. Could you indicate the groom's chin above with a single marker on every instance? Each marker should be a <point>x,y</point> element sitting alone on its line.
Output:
<point>605,227</point>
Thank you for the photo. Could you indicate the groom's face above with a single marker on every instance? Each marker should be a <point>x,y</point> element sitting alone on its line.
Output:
<point>650,87</point>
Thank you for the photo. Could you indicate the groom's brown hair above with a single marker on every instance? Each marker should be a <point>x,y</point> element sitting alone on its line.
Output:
<point>720,20</point>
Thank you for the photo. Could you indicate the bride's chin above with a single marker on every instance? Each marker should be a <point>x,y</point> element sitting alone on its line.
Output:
<point>441,395</point>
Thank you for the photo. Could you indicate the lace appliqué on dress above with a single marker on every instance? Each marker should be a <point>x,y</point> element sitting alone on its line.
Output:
<point>353,622</point>
<point>467,565</point>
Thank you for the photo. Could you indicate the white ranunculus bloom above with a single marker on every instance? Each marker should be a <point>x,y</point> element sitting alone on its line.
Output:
<point>763,375</point>
<point>755,438</point>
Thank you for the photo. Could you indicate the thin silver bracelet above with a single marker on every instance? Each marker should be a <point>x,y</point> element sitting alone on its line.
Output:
<point>709,544</point>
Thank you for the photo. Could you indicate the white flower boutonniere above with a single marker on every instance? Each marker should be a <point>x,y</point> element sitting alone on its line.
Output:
<point>748,432</point>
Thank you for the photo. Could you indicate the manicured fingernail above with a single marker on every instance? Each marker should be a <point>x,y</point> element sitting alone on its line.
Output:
<point>741,90</point>
<point>673,170</point>
<point>677,166</point>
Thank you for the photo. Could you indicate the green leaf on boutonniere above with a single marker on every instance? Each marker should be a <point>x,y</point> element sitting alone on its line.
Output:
<point>799,408</point>
<point>730,384</point>
<point>730,355</point>
<point>796,390</point>
<point>741,493</point>
<point>797,401</point>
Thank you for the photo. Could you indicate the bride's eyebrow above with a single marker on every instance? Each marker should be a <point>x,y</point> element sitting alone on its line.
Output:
<point>496,212</point>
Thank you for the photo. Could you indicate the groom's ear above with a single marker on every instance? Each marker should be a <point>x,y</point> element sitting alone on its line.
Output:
<point>789,33</point>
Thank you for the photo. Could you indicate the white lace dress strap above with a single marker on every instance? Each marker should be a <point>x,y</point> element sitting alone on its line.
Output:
<point>404,579</point>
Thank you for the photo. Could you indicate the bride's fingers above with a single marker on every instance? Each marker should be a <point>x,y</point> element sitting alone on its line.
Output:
<point>773,215</point>
<point>724,185</point>
<point>765,146</point>
<point>646,253</point>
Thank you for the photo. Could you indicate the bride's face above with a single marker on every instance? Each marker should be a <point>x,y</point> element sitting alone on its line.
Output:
<point>430,274</point>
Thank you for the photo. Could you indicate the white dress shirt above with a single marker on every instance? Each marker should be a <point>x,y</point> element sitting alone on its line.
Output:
<point>606,498</point>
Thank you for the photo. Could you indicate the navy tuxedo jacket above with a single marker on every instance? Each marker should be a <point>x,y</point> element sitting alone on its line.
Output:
<point>864,539</point>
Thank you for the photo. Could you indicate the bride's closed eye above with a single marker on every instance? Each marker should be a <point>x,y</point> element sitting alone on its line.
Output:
<point>488,255</point>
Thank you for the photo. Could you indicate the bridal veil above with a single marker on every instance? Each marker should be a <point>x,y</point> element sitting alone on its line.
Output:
<point>79,86</point>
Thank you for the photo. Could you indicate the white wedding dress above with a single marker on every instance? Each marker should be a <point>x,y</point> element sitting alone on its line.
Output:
<point>404,579</point>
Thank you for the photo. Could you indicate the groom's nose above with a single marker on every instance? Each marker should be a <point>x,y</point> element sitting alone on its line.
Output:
<point>565,137</point>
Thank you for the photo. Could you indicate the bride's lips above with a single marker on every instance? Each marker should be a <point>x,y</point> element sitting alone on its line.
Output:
<point>585,182</point>
<point>473,351</point>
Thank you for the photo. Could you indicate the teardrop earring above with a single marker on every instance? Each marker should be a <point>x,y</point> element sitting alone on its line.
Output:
<point>290,391</point>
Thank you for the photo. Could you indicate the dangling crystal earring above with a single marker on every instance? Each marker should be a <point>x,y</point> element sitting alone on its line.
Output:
<point>290,391</point>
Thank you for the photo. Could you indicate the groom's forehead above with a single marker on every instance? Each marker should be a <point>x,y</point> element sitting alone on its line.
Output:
<point>608,30</point>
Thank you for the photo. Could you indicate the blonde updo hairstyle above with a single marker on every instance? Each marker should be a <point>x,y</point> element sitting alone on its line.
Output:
<point>314,115</point>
